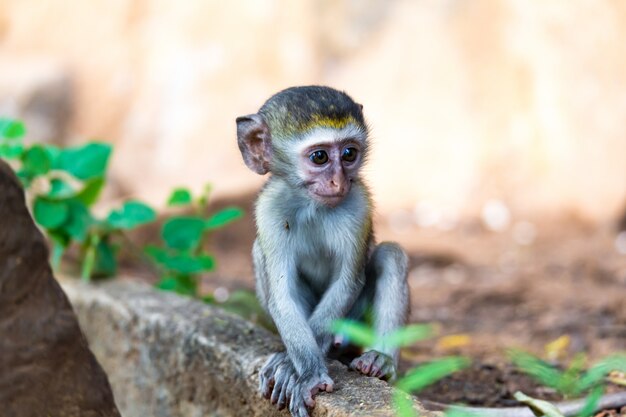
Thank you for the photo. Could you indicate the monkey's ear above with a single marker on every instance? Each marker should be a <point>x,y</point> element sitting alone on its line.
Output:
<point>255,142</point>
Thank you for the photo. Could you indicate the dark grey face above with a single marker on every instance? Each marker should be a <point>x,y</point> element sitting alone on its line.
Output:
<point>294,111</point>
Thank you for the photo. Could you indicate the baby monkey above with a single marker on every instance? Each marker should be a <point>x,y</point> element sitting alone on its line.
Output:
<point>315,258</point>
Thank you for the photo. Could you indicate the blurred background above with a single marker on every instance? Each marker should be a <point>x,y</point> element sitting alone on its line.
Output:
<point>469,101</point>
<point>499,128</point>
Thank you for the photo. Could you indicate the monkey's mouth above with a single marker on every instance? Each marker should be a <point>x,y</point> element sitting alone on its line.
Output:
<point>331,200</point>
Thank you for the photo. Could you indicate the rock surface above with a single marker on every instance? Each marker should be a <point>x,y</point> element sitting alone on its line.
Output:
<point>46,367</point>
<point>171,356</point>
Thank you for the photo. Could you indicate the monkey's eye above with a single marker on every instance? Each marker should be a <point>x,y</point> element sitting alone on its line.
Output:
<point>319,157</point>
<point>349,154</point>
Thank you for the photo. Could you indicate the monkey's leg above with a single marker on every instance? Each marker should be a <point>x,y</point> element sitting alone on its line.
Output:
<point>387,290</point>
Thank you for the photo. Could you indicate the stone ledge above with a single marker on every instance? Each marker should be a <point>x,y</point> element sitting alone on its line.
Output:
<point>167,355</point>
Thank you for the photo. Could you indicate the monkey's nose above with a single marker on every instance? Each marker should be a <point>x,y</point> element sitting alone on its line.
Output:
<point>337,186</point>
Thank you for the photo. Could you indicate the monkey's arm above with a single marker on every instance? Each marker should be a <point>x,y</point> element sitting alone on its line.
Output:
<point>290,320</point>
<point>336,302</point>
<point>298,338</point>
<point>294,330</point>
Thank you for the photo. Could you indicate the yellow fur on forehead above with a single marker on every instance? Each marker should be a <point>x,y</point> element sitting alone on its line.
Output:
<point>327,134</point>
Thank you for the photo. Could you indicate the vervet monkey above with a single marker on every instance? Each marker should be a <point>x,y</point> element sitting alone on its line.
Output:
<point>315,258</point>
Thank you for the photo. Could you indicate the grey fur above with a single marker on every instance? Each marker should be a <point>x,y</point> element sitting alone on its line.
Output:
<point>322,267</point>
<point>315,263</point>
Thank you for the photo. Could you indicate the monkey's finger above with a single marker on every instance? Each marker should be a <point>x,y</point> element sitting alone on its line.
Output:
<point>285,393</point>
<point>388,373</point>
<point>282,399</point>
<point>328,383</point>
<point>308,398</point>
<point>366,366</point>
<point>266,387</point>
<point>297,408</point>
<point>291,385</point>
<point>356,364</point>
<point>278,387</point>
<point>377,366</point>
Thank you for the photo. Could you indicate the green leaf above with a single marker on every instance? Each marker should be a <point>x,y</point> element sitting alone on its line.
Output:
<point>357,333</point>
<point>538,407</point>
<point>188,264</point>
<point>209,299</point>
<point>11,129</point>
<point>223,217</point>
<point>181,263</point>
<point>600,370</point>
<point>203,200</point>
<point>84,162</point>
<point>106,261</point>
<point>11,150</point>
<point>180,284</point>
<point>60,189</point>
<point>403,404</point>
<point>180,197</point>
<point>183,232</point>
<point>159,255</point>
<point>543,372</point>
<point>50,214</point>
<point>423,376</point>
<point>132,214</point>
<point>569,379</point>
<point>591,404</point>
<point>91,191</point>
<point>89,258</point>
<point>53,152</point>
<point>36,161</point>
<point>167,284</point>
<point>408,335</point>
<point>59,243</point>
<point>78,222</point>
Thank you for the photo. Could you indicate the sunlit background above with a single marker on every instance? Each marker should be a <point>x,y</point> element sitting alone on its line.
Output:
<point>505,105</point>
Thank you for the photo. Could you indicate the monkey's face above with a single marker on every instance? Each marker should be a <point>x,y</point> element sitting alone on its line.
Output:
<point>312,137</point>
<point>328,164</point>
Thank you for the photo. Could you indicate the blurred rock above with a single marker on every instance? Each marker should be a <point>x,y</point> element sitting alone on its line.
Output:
<point>46,367</point>
<point>39,92</point>
<point>170,356</point>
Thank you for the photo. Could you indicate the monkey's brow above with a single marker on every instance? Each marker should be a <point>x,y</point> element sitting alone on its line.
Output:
<point>326,135</point>
<point>327,142</point>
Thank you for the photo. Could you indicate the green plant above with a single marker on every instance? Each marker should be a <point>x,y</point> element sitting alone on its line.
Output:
<point>183,256</point>
<point>416,378</point>
<point>62,186</point>
<point>571,382</point>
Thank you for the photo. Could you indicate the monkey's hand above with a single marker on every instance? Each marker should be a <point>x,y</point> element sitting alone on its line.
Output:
<point>374,363</point>
<point>277,379</point>
<point>306,387</point>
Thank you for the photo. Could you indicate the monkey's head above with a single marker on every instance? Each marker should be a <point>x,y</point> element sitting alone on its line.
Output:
<point>314,137</point>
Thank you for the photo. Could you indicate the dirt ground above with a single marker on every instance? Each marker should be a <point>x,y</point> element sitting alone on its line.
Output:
<point>492,289</point>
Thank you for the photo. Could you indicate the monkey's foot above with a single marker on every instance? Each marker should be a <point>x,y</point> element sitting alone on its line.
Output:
<point>277,379</point>
<point>376,364</point>
<point>306,387</point>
